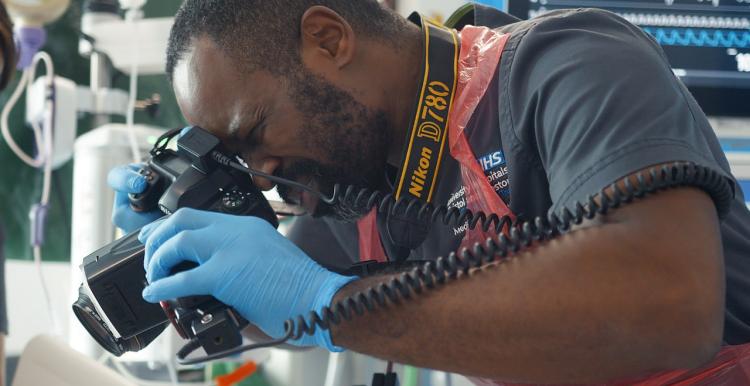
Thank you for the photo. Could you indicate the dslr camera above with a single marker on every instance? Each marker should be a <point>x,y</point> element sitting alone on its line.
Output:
<point>197,175</point>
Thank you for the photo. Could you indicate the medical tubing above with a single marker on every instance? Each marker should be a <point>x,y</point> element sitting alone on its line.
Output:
<point>132,16</point>
<point>518,237</point>
<point>45,146</point>
<point>44,135</point>
<point>34,162</point>
<point>25,83</point>
<point>512,237</point>
<point>135,150</point>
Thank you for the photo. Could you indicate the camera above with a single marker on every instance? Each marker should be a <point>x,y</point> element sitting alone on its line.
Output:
<point>110,305</point>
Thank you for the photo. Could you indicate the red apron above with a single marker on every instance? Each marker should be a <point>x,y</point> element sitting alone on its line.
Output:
<point>481,50</point>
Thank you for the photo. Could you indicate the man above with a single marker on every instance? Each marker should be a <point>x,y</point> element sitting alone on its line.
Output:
<point>324,92</point>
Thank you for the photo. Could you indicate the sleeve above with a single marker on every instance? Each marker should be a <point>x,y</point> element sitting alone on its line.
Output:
<point>596,99</point>
<point>330,247</point>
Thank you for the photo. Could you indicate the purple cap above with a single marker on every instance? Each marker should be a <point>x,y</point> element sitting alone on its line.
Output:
<point>38,218</point>
<point>28,42</point>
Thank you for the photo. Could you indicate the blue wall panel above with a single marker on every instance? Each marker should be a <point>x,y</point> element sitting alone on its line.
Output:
<point>499,4</point>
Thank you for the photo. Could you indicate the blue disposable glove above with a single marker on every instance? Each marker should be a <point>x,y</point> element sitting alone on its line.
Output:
<point>243,262</point>
<point>124,180</point>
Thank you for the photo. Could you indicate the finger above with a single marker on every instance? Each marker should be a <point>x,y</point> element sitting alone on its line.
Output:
<point>183,219</point>
<point>121,218</point>
<point>148,229</point>
<point>120,209</point>
<point>185,246</point>
<point>121,199</point>
<point>126,219</point>
<point>126,179</point>
<point>143,238</point>
<point>180,285</point>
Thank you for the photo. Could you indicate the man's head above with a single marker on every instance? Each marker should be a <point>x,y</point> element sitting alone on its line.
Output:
<point>293,86</point>
<point>7,48</point>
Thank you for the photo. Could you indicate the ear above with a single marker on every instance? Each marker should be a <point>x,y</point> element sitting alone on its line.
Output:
<point>326,38</point>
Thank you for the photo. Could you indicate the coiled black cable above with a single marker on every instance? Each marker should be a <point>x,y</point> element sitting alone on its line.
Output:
<point>510,238</point>
<point>506,243</point>
<point>366,200</point>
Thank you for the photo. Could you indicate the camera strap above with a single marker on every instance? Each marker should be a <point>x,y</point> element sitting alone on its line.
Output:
<point>425,142</point>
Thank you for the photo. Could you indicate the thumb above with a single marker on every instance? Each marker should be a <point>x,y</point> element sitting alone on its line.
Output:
<point>125,179</point>
<point>175,286</point>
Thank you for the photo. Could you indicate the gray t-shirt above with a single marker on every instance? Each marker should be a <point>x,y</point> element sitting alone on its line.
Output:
<point>581,99</point>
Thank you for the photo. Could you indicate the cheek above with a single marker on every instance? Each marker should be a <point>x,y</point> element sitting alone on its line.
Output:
<point>291,133</point>
<point>286,133</point>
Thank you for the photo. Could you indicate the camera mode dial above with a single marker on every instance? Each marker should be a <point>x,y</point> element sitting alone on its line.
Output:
<point>235,202</point>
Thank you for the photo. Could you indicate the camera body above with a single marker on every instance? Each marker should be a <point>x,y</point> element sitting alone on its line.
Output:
<point>110,304</point>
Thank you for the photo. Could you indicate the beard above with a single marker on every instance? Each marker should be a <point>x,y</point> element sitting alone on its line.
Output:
<point>352,138</point>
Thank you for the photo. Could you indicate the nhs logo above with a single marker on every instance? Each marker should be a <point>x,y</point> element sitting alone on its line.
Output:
<point>492,160</point>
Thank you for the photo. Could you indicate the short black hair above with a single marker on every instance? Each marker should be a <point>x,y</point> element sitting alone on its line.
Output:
<point>265,33</point>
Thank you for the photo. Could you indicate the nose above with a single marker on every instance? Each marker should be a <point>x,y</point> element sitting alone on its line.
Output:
<point>266,165</point>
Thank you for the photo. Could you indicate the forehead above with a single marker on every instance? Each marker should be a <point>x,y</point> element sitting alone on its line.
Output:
<point>215,92</point>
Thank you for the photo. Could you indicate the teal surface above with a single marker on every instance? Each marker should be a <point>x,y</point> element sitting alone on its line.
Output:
<point>20,186</point>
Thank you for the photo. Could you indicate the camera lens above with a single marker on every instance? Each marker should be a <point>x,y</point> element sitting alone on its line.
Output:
<point>93,323</point>
<point>97,328</point>
<point>140,341</point>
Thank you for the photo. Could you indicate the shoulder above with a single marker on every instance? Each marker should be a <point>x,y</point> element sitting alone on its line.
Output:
<point>586,45</point>
<point>585,74</point>
<point>575,26</point>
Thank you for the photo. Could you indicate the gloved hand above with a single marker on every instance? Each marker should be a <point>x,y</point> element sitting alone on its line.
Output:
<point>243,262</point>
<point>124,180</point>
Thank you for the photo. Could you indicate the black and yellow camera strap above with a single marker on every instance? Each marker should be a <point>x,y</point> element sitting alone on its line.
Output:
<point>426,140</point>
